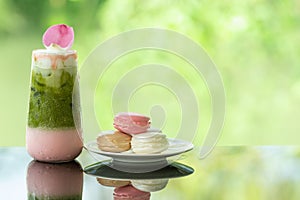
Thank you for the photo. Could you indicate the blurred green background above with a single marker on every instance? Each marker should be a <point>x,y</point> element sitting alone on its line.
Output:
<point>254,43</point>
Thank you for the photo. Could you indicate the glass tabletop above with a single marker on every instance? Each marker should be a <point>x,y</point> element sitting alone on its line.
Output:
<point>237,172</point>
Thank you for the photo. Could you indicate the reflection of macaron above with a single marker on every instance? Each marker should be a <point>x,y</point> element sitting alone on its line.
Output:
<point>149,142</point>
<point>116,142</point>
<point>150,185</point>
<point>130,193</point>
<point>112,183</point>
<point>131,123</point>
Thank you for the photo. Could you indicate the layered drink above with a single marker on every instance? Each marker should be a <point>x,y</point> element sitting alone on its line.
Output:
<point>53,129</point>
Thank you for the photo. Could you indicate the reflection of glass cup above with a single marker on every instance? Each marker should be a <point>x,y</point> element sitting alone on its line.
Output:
<point>53,109</point>
<point>54,181</point>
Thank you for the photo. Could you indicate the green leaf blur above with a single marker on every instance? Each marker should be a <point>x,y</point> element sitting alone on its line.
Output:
<point>254,43</point>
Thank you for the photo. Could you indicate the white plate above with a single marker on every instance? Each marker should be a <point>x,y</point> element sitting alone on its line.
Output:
<point>176,147</point>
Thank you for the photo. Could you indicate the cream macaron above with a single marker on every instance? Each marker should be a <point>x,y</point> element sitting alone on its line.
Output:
<point>149,143</point>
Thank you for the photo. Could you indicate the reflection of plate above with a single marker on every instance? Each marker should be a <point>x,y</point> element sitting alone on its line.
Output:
<point>176,147</point>
<point>105,170</point>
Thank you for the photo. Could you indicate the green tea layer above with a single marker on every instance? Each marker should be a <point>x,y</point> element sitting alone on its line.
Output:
<point>50,103</point>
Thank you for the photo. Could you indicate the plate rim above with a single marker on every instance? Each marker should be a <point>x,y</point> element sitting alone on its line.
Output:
<point>189,147</point>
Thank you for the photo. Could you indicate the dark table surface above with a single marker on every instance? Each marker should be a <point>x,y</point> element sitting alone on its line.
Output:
<point>262,172</point>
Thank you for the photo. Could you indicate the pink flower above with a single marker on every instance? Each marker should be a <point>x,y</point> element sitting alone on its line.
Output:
<point>60,34</point>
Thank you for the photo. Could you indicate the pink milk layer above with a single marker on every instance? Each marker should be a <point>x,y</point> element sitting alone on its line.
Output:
<point>44,179</point>
<point>53,145</point>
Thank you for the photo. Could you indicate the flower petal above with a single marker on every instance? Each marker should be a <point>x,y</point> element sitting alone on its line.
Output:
<point>60,34</point>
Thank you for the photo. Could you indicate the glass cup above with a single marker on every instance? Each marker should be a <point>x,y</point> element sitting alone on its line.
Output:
<point>53,127</point>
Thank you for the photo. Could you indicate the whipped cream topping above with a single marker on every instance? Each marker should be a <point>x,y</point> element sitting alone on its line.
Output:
<point>54,58</point>
<point>149,142</point>
<point>55,47</point>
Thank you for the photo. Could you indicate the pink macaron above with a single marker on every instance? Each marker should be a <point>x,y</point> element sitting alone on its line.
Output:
<point>131,123</point>
<point>130,192</point>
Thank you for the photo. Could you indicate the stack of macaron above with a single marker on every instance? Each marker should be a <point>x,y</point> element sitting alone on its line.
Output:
<point>133,133</point>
